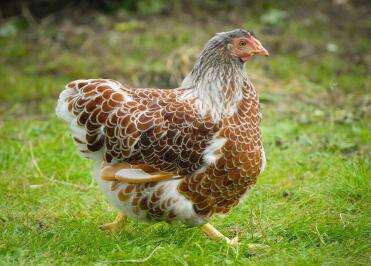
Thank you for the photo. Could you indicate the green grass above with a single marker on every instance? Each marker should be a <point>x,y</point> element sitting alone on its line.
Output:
<point>310,207</point>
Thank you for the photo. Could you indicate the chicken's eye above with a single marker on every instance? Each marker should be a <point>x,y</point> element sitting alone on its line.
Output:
<point>242,43</point>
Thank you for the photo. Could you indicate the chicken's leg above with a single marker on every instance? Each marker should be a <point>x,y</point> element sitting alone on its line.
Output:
<point>115,226</point>
<point>212,232</point>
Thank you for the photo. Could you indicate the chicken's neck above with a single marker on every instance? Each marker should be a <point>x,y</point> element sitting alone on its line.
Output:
<point>218,86</point>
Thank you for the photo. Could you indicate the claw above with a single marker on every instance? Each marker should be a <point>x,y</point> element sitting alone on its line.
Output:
<point>115,226</point>
<point>212,232</point>
<point>233,242</point>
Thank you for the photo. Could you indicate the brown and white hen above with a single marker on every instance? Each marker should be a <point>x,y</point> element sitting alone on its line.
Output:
<point>181,154</point>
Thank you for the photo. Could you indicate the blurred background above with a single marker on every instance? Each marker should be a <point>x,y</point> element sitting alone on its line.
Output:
<point>320,50</point>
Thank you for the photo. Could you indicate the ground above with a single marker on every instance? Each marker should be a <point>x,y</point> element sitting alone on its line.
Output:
<point>311,206</point>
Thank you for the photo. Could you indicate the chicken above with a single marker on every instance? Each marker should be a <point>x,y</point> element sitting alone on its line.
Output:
<point>181,154</point>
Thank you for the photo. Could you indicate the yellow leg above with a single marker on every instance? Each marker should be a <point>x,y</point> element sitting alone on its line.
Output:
<point>116,225</point>
<point>212,232</point>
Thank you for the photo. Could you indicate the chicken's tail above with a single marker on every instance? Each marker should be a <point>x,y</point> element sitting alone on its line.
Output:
<point>87,106</point>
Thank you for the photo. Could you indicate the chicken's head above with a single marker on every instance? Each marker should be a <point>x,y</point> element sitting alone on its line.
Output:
<point>239,44</point>
<point>243,44</point>
<point>223,58</point>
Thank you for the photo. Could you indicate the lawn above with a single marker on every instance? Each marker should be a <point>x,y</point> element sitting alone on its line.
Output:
<point>311,206</point>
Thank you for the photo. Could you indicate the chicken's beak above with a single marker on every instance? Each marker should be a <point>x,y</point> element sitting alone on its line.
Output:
<point>257,48</point>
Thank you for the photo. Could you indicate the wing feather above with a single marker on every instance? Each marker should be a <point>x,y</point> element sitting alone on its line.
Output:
<point>138,126</point>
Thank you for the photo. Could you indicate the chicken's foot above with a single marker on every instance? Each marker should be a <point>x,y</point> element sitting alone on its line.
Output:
<point>212,232</point>
<point>115,226</point>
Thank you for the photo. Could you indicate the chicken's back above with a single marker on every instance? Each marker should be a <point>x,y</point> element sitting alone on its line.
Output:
<point>139,126</point>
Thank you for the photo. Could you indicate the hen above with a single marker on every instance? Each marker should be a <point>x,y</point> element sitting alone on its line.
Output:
<point>181,154</point>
